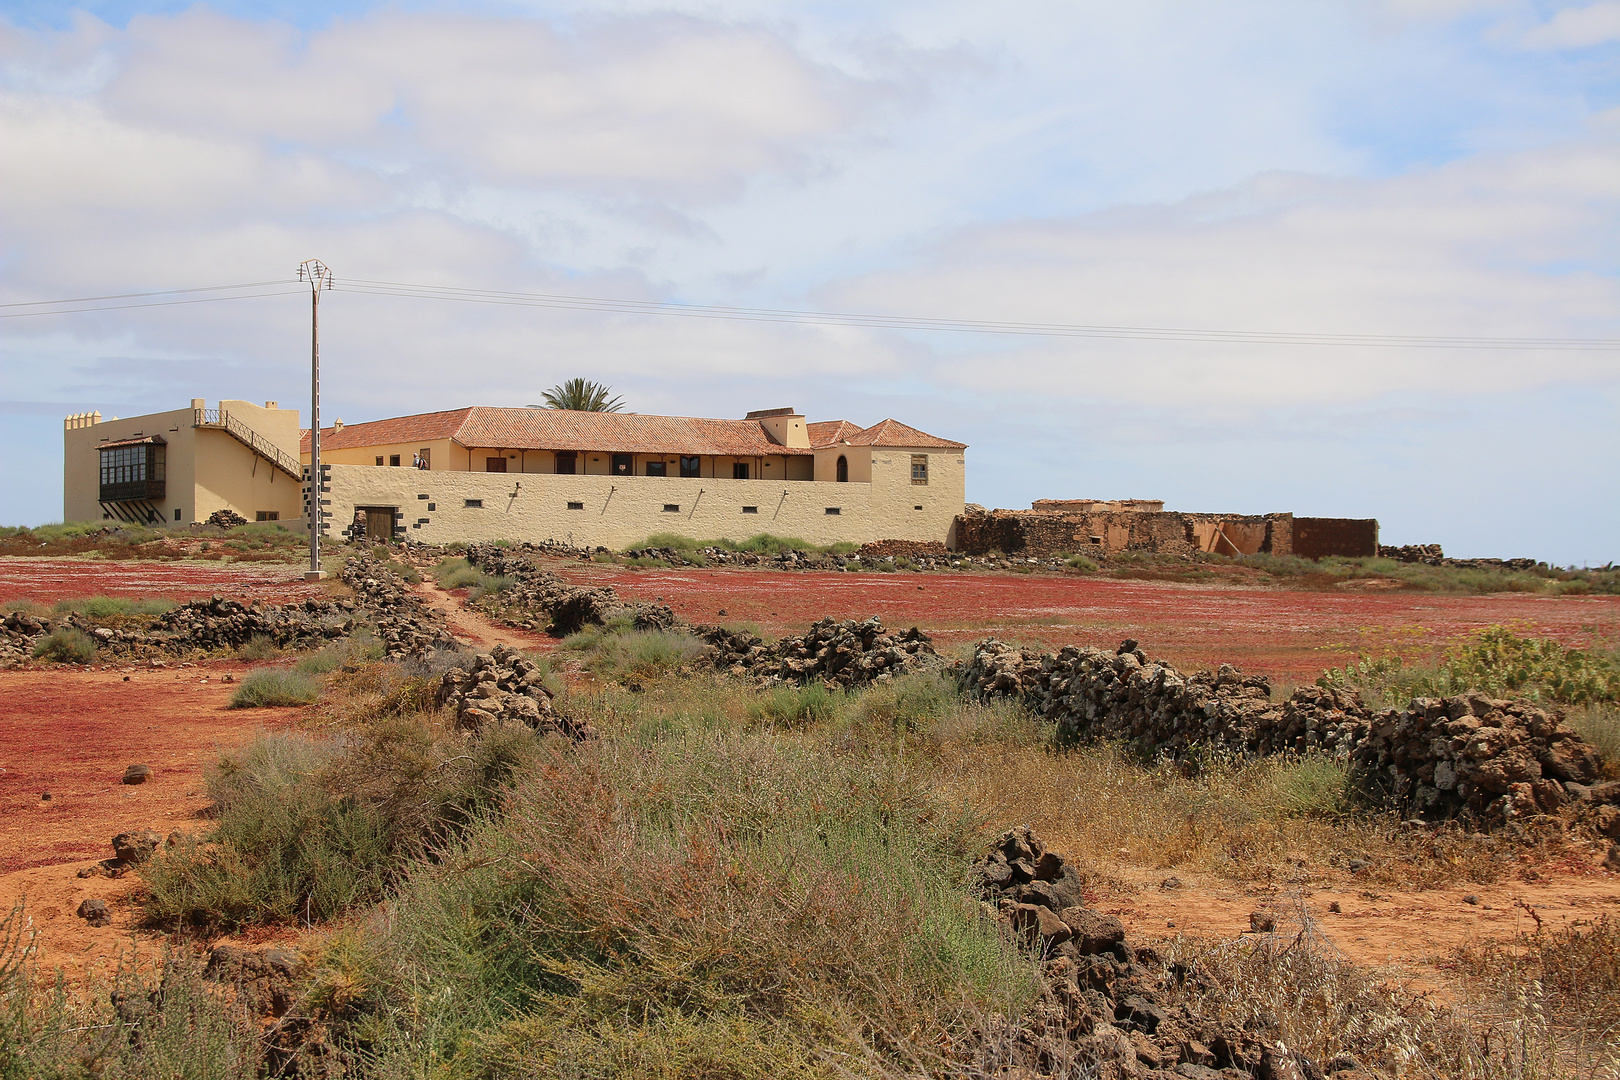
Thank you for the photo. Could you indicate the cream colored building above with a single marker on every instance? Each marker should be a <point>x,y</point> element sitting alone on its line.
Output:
<point>478,473</point>
<point>613,479</point>
<point>181,466</point>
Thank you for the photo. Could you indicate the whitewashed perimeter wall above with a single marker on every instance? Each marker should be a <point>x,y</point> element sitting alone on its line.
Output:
<point>618,511</point>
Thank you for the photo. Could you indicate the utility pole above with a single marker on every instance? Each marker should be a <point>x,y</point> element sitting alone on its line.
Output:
<point>319,277</point>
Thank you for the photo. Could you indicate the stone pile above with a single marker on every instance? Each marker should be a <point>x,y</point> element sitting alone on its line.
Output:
<point>1478,758</point>
<point>406,626</point>
<point>1472,758</point>
<point>503,686</point>
<point>225,519</point>
<point>1433,555</point>
<point>1109,1009</point>
<point>736,652</point>
<point>220,623</point>
<point>1093,693</point>
<point>568,608</point>
<point>847,653</point>
<point>931,551</point>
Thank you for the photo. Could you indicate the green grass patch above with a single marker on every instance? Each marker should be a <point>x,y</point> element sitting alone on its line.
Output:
<point>619,652</point>
<point>111,607</point>
<point>269,687</point>
<point>759,544</point>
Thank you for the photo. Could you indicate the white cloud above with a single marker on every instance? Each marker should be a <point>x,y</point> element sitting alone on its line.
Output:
<point>1578,27</point>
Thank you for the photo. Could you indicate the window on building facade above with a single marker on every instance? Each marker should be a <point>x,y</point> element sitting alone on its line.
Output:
<point>919,468</point>
<point>835,510</point>
<point>657,468</point>
<point>267,515</point>
<point>843,469</point>
<point>691,466</point>
<point>177,514</point>
<point>472,504</point>
<point>495,464</point>
<point>750,509</point>
<point>576,506</point>
<point>672,508</point>
<point>379,459</point>
<point>393,459</point>
<point>133,472</point>
<point>739,470</point>
<point>567,461</point>
<point>624,465</point>
<point>424,457</point>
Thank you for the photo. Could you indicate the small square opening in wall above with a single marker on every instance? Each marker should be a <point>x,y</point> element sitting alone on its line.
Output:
<point>835,510</point>
<point>750,509</point>
<point>473,504</point>
<point>672,508</point>
<point>576,506</point>
<point>916,508</point>
<point>267,515</point>
<point>432,507</point>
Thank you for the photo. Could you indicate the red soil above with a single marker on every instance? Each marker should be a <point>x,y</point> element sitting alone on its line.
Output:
<point>1288,634</point>
<point>47,580</point>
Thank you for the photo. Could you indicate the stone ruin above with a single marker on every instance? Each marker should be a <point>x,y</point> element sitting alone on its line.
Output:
<point>1477,759</point>
<point>1110,1009</point>
<point>535,592</point>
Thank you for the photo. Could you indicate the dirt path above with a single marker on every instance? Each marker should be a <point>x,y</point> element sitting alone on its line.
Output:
<point>1410,931</point>
<point>473,628</point>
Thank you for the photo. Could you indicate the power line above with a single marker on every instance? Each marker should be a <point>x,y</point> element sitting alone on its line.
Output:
<point>155,303</point>
<point>973,326</point>
<point>869,320</point>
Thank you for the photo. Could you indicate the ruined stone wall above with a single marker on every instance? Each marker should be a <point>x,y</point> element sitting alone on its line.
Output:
<point>1048,532</point>
<point>1317,538</point>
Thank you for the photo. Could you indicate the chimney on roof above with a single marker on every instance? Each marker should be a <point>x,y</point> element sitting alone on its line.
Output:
<point>785,426</point>
<point>337,425</point>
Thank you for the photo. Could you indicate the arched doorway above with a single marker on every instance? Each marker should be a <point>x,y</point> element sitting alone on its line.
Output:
<point>843,469</point>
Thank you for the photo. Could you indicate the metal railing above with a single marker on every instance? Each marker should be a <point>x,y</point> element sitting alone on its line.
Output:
<point>224,421</point>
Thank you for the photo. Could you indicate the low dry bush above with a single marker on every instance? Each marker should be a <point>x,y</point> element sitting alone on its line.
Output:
<point>738,903</point>
<point>160,1020</point>
<point>270,687</point>
<point>31,608</point>
<point>1277,819</point>
<point>616,652</point>
<point>791,705</point>
<point>1600,726</point>
<point>66,645</point>
<point>308,828</point>
<point>258,647</point>
<point>1572,972</point>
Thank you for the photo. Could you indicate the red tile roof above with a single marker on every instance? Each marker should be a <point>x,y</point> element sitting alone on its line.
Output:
<point>893,433</point>
<point>561,429</point>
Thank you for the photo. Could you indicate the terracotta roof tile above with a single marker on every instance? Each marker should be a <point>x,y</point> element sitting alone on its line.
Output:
<point>892,432</point>
<point>561,429</point>
<point>422,427</point>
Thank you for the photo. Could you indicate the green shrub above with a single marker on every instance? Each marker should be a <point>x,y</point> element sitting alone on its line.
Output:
<point>619,652</point>
<point>267,687</point>
<point>1081,563</point>
<point>307,828</point>
<point>456,573</point>
<point>323,662</point>
<point>1494,661</point>
<point>258,647</point>
<point>66,645</point>
<point>25,607</point>
<point>792,706</point>
<point>741,905</point>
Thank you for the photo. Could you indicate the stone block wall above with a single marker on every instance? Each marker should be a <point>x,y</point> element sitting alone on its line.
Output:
<point>1048,532</point>
<point>1317,538</point>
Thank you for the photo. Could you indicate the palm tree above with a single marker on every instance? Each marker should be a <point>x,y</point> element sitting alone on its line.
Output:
<point>582,395</point>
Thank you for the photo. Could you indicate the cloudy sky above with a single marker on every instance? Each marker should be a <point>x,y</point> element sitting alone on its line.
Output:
<point>1383,168</point>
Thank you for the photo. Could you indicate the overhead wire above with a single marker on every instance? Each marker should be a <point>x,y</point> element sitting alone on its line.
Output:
<point>869,320</point>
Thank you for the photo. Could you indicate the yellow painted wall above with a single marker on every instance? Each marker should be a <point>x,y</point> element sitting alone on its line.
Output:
<point>618,511</point>
<point>206,469</point>
<point>81,463</point>
<point>860,463</point>
<point>445,455</point>
<point>895,498</point>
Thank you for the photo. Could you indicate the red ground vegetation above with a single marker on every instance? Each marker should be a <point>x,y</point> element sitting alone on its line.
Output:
<point>47,580</point>
<point>1288,634</point>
